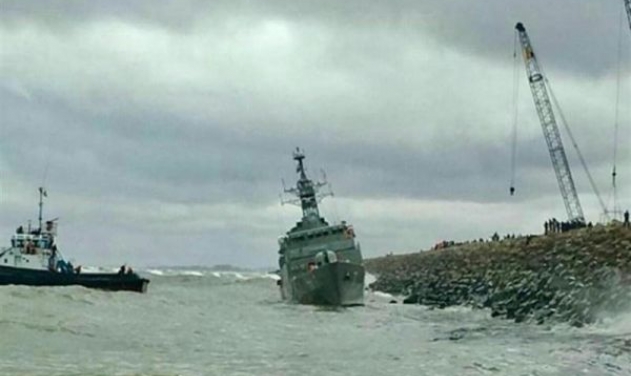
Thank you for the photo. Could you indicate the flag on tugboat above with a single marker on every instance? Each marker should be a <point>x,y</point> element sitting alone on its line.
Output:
<point>43,191</point>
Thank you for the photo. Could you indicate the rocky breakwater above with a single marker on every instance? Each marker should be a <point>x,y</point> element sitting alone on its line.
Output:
<point>575,276</point>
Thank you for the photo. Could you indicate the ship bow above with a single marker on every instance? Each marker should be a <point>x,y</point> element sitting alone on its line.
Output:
<point>341,284</point>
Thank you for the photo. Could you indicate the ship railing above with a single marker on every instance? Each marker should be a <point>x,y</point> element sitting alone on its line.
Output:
<point>38,240</point>
<point>318,232</point>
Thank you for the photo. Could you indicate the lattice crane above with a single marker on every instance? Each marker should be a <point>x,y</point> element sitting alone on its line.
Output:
<point>551,133</point>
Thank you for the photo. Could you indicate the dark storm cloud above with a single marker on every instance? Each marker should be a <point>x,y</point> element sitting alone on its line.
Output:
<point>153,154</point>
<point>144,154</point>
<point>580,36</point>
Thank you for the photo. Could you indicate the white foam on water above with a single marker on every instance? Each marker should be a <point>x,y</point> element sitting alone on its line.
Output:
<point>619,324</point>
<point>192,273</point>
<point>246,276</point>
<point>273,276</point>
<point>383,294</point>
<point>368,279</point>
<point>228,275</point>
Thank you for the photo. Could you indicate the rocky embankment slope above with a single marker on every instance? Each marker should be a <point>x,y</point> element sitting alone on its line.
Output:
<point>574,276</point>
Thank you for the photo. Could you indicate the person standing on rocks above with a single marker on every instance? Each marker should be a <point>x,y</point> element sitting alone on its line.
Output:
<point>626,218</point>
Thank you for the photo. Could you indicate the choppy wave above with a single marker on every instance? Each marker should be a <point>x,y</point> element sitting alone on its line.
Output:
<point>155,272</point>
<point>189,311</point>
<point>369,278</point>
<point>200,273</point>
<point>618,323</point>
<point>194,273</point>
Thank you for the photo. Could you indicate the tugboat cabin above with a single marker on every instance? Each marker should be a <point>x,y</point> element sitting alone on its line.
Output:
<point>35,249</point>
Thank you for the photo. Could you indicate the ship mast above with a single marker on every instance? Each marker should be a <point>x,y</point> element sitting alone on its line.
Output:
<point>42,194</point>
<point>306,190</point>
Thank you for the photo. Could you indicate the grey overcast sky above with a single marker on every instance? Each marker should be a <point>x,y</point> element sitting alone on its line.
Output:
<point>162,129</point>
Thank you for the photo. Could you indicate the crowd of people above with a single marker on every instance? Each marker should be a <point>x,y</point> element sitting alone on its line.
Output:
<point>553,226</point>
<point>450,243</point>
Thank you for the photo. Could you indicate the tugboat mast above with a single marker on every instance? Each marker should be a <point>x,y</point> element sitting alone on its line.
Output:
<point>42,194</point>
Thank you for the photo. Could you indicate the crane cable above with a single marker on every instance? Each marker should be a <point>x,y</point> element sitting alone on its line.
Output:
<point>615,209</point>
<point>515,115</point>
<point>578,151</point>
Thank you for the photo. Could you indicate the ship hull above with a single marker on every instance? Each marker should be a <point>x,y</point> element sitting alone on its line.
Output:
<point>103,281</point>
<point>335,284</point>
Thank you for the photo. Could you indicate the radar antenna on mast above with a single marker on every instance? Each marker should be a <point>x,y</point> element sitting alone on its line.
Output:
<point>307,192</point>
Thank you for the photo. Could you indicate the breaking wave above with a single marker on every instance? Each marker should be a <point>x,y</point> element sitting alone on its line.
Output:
<point>210,275</point>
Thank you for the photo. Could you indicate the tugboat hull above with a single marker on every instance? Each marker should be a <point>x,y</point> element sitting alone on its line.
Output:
<point>335,284</point>
<point>104,281</point>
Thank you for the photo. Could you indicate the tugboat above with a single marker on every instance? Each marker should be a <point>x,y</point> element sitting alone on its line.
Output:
<point>320,264</point>
<point>34,260</point>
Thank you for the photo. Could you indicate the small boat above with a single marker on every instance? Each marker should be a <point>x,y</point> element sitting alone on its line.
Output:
<point>33,259</point>
<point>320,263</point>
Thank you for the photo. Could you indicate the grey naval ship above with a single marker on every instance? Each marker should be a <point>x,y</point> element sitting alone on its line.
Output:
<point>320,264</point>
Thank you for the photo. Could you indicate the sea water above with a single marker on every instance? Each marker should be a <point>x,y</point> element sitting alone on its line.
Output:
<point>205,322</point>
